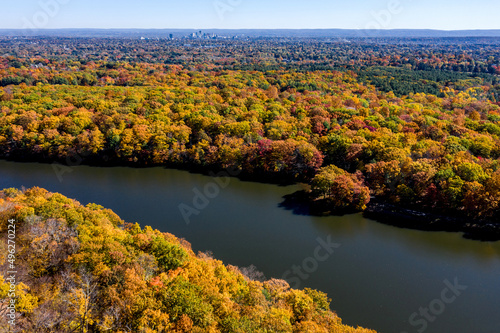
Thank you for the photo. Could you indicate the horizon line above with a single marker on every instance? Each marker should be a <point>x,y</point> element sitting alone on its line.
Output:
<point>352,29</point>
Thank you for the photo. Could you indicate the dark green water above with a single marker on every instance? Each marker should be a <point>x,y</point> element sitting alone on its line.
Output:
<point>378,276</point>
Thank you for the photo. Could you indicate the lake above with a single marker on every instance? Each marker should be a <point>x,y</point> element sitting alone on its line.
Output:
<point>378,276</point>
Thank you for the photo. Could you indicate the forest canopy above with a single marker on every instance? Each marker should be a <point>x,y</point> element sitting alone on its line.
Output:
<point>413,122</point>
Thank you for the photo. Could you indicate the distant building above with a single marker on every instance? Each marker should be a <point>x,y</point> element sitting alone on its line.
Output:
<point>201,35</point>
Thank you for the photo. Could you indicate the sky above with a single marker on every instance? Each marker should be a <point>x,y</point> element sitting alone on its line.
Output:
<point>250,14</point>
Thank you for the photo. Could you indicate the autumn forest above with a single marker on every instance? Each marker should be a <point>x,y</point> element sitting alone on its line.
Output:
<point>340,127</point>
<point>366,124</point>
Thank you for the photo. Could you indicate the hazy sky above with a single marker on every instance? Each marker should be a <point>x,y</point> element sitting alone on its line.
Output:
<point>203,14</point>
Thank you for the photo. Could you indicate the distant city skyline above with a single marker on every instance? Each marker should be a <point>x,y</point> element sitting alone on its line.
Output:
<point>250,14</point>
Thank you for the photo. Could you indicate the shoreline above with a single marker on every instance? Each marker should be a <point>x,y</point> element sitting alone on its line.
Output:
<point>401,217</point>
<point>207,170</point>
<point>387,213</point>
<point>302,203</point>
